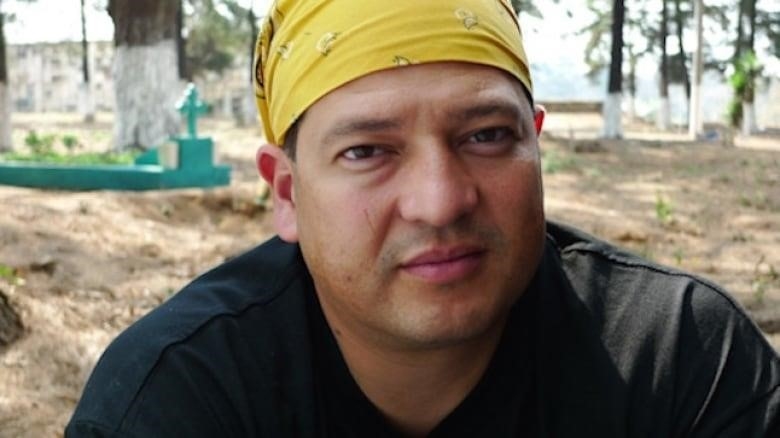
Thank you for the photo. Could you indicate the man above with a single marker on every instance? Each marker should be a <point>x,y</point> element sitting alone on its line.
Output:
<point>415,288</point>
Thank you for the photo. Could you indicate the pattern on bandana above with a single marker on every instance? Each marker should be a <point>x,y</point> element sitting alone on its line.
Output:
<point>307,48</point>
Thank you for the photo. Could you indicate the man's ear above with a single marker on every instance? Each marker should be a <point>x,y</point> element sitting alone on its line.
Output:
<point>276,168</point>
<point>538,118</point>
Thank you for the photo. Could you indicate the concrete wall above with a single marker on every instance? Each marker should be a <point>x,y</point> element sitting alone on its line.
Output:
<point>45,77</point>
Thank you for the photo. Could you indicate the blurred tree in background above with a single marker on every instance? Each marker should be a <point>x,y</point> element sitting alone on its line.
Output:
<point>217,32</point>
<point>5,100</point>
<point>86,102</point>
<point>613,125</point>
<point>146,71</point>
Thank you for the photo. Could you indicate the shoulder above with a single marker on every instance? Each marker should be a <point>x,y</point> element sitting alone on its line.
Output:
<point>197,323</point>
<point>627,291</point>
<point>602,273</point>
<point>680,340</point>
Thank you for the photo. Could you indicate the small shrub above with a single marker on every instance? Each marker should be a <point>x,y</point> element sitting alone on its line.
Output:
<point>663,210</point>
<point>40,144</point>
<point>763,279</point>
<point>7,272</point>
<point>70,142</point>
<point>10,274</point>
<point>679,255</point>
<point>553,162</point>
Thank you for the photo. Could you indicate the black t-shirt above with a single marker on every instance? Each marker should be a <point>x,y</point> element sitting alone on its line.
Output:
<point>602,344</point>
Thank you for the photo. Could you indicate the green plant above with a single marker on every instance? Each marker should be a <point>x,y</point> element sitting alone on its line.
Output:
<point>762,279</point>
<point>663,210</point>
<point>734,112</point>
<point>166,210</point>
<point>743,81</point>
<point>678,256</point>
<point>10,274</point>
<point>759,200</point>
<point>7,272</point>
<point>40,144</point>
<point>553,161</point>
<point>70,142</point>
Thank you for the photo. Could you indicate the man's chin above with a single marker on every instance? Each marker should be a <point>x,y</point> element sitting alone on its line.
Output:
<point>432,326</point>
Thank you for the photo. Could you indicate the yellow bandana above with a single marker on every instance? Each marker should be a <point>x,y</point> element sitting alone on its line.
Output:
<point>308,48</point>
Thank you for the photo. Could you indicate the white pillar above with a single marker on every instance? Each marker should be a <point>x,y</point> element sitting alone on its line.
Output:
<point>663,117</point>
<point>86,102</point>
<point>749,125</point>
<point>5,118</point>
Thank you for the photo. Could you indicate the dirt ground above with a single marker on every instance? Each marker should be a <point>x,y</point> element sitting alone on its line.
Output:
<point>87,264</point>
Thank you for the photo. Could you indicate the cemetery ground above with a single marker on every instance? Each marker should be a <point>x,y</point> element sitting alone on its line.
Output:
<point>78,267</point>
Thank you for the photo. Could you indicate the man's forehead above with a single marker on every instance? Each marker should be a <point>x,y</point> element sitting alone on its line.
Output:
<point>456,88</point>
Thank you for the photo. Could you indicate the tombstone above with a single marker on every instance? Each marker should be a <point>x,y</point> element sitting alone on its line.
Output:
<point>187,161</point>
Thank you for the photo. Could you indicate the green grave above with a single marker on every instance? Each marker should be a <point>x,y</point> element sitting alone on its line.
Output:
<point>186,161</point>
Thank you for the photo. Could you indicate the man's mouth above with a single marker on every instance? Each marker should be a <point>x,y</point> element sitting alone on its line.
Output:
<point>444,265</point>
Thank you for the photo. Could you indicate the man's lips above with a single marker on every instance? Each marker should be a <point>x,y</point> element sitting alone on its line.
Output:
<point>444,265</point>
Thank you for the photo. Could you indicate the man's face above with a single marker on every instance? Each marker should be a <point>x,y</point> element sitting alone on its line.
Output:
<point>417,202</point>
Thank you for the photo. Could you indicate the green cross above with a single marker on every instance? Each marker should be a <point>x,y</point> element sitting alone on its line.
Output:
<point>192,107</point>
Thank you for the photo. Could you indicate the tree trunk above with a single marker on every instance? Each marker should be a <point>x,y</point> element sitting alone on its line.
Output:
<point>86,101</point>
<point>181,45</point>
<point>5,101</point>
<point>694,115</point>
<point>11,327</point>
<point>740,31</point>
<point>662,119</point>
<point>749,124</point>
<point>613,126</point>
<point>632,61</point>
<point>146,72</point>
<point>681,58</point>
<point>751,16</point>
<point>249,113</point>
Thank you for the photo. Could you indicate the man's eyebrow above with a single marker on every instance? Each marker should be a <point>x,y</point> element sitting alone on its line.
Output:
<point>485,110</point>
<point>359,126</point>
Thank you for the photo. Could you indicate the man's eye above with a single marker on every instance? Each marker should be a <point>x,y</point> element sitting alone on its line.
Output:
<point>362,152</point>
<point>490,135</point>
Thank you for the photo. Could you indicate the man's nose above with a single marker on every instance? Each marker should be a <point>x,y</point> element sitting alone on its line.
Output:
<point>438,189</point>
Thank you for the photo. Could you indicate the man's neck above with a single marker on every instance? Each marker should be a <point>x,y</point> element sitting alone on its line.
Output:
<point>415,388</point>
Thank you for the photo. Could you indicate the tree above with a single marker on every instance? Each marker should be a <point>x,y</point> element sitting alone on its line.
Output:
<point>146,71</point>
<point>745,65</point>
<point>216,32</point>
<point>250,112</point>
<point>526,6</point>
<point>181,45</point>
<point>681,68</point>
<point>768,21</point>
<point>662,120</point>
<point>597,48</point>
<point>613,126</point>
<point>694,113</point>
<point>218,35</point>
<point>87,104</point>
<point>5,101</point>
<point>5,98</point>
